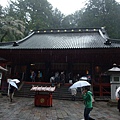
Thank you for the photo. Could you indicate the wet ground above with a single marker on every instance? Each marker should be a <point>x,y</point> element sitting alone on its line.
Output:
<point>24,109</point>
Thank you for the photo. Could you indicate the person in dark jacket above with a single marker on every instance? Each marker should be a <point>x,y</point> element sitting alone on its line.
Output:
<point>118,106</point>
<point>87,97</point>
<point>62,78</point>
<point>11,90</point>
<point>118,98</point>
<point>57,79</point>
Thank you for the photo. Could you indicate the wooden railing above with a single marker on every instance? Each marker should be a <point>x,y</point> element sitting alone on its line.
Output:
<point>101,89</point>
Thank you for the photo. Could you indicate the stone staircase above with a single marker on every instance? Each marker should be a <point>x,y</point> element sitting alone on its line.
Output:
<point>61,93</point>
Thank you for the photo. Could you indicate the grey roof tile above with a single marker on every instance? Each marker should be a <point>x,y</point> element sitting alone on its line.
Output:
<point>63,40</point>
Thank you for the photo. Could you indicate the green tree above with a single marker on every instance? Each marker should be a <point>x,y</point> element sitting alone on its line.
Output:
<point>57,19</point>
<point>12,28</point>
<point>37,14</point>
<point>100,13</point>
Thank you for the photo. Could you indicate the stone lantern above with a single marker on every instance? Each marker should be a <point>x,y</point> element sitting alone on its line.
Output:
<point>114,80</point>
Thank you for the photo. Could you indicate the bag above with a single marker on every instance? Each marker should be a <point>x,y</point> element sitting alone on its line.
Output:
<point>93,100</point>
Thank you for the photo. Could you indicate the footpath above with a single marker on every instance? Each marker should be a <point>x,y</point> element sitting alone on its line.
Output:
<point>24,109</point>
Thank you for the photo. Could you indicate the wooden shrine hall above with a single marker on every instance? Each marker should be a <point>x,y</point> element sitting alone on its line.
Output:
<point>83,51</point>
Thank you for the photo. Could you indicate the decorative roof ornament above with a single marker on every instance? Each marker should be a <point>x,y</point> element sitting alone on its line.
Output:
<point>15,44</point>
<point>108,42</point>
<point>103,30</point>
<point>114,69</point>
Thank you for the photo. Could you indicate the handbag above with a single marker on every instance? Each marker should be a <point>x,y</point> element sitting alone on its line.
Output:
<point>93,100</point>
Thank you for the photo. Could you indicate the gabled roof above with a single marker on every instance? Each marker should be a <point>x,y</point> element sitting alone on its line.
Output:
<point>64,39</point>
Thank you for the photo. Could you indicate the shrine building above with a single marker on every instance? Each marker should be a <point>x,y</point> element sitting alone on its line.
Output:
<point>84,51</point>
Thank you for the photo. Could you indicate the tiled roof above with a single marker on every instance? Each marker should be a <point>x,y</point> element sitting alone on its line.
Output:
<point>64,39</point>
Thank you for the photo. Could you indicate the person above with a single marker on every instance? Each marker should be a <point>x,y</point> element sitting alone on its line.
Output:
<point>62,78</point>
<point>33,75</point>
<point>57,79</point>
<point>78,77</point>
<point>52,80</point>
<point>89,78</point>
<point>11,92</point>
<point>39,76</point>
<point>73,93</point>
<point>87,97</point>
<point>118,99</point>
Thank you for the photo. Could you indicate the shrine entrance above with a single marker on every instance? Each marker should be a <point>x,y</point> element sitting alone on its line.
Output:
<point>49,69</point>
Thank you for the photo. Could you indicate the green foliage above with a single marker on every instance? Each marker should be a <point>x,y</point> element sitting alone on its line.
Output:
<point>11,29</point>
<point>100,13</point>
<point>37,14</point>
<point>21,16</point>
<point>57,19</point>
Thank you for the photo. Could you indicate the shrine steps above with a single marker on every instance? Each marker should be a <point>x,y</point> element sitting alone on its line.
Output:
<point>61,93</point>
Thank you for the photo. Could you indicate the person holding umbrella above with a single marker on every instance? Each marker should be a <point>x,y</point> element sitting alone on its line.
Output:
<point>11,88</point>
<point>118,106</point>
<point>118,98</point>
<point>73,93</point>
<point>87,97</point>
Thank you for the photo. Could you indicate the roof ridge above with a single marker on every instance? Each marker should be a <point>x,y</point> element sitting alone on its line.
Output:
<point>31,34</point>
<point>69,30</point>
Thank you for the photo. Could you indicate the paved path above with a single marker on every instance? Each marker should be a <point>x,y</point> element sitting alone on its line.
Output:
<point>24,109</point>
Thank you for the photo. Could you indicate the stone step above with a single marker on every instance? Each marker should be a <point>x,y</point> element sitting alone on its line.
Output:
<point>59,93</point>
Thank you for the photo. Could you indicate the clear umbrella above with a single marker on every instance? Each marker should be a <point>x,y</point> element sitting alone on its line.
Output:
<point>13,84</point>
<point>80,84</point>
<point>2,68</point>
<point>15,80</point>
<point>84,78</point>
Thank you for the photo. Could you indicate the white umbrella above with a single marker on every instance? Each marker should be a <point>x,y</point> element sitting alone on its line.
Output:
<point>15,80</point>
<point>83,78</point>
<point>80,84</point>
<point>13,84</point>
<point>116,93</point>
<point>2,68</point>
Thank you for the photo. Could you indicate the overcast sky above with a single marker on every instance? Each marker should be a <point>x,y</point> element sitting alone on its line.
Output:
<point>65,6</point>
